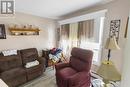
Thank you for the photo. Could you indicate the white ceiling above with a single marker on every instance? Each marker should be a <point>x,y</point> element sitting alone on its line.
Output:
<point>53,8</point>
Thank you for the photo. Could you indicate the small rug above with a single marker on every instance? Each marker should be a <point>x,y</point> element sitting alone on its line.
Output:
<point>46,80</point>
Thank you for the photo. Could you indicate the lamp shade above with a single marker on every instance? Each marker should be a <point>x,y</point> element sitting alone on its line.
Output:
<point>108,71</point>
<point>112,44</point>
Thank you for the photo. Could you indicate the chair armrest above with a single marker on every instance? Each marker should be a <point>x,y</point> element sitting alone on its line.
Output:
<point>61,65</point>
<point>77,78</point>
<point>41,60</point>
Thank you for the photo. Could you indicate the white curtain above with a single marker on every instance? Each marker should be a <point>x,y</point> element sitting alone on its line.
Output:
<point>75,35</point>
<point>64,39</point>
<point>85,32</point>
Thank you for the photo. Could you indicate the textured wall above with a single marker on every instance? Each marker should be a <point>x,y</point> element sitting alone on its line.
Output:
<point>126,63</point>
<point>42,41</point>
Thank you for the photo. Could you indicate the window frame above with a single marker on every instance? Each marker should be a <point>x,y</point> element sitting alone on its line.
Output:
<point>99,14</point>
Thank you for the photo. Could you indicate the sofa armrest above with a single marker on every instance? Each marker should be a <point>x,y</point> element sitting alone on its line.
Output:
<point>79,77</point>
<point>61,65</point>
<point>41,60</point>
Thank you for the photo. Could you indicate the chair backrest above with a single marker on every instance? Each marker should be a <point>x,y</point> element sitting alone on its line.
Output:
<point>9,62</point>
<point>29,55</point>
<point>81,59</point>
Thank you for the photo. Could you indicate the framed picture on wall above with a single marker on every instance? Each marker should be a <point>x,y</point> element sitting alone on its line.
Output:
<point>115,28</point>
<point>2,31</point>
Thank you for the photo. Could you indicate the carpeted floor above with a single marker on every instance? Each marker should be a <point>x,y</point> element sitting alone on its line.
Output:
<point>46,80</point>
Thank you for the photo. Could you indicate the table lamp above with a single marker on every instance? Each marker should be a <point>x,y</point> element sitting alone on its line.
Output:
<point>107,70</point>
<point>111,44</point>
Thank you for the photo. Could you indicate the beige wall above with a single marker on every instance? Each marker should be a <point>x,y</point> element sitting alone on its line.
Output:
<point>118,9</point>
<point>126,63</point>
<point>42,41</point>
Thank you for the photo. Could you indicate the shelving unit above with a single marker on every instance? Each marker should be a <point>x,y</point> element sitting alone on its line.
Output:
<point>22,31</point>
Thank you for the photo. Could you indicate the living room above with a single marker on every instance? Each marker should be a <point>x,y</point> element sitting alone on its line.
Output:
<point>41,29</point>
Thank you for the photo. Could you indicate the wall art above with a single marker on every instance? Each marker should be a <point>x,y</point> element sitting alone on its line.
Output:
<point>2,31</point>
<point>115,28</point>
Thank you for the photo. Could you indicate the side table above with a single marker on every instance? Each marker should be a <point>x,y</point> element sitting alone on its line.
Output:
<point>45,54</point>
<point>97,81</point>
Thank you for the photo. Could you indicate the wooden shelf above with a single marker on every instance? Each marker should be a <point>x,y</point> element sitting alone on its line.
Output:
<point>22,31</point>
<point>27,30</point>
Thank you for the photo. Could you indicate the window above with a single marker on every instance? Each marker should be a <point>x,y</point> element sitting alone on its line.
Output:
<point>94,43</point>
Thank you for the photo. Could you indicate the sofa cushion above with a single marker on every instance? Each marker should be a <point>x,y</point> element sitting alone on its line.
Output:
<point>13,73</point>
<point>10,62</point>
<point>34,69</point>
<point>29,55</point>
<point>34,72</point>
<point>66,72</point>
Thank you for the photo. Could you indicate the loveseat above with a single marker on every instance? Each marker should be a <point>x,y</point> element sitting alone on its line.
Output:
<point>13,70</point>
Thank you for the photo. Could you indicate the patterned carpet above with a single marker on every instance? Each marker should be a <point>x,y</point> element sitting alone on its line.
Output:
<point>46,80</point>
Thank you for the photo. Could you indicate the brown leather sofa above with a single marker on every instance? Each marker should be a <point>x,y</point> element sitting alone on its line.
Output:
<point>12,69</point>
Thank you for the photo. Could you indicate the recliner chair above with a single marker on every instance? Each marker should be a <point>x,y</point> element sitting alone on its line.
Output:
<point>76,73</point>
<point>29,55</point>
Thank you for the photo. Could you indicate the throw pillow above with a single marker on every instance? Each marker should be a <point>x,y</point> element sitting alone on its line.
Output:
<point>32,64</point>
<point>9,52</point>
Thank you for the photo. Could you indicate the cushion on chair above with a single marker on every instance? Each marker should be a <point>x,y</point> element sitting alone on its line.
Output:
<point>66,72</point>
<point>82,54</point>
<point>29,55</point>
<point>34,72</point>
<point>78,64</point>
<point>34,69</point>
<point>81,59</point>
<point>9,62</point>
<point>13,73</point>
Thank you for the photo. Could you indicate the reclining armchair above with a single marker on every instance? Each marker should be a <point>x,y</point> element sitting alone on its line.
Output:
<point>29,55</point>
<point>76,73</point>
